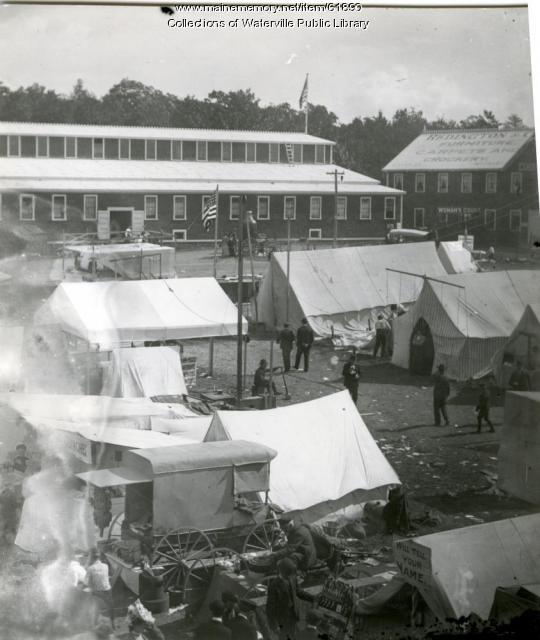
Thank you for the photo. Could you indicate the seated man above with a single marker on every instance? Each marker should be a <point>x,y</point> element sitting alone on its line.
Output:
<point>308,545</point>
<point>261,381</point>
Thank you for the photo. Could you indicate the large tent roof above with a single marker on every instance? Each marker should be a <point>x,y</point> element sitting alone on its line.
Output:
<point>459,570</point>
<point>485,305</point>
<point>112,314</point>
<point>325,452</point>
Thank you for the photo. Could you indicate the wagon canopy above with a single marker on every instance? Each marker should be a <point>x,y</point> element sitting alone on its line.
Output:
<point>340,291</point>
<point>327,458</point>
<point>119,313</point>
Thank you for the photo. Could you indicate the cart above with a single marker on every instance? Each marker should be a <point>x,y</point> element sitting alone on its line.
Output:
<point>187,508</point>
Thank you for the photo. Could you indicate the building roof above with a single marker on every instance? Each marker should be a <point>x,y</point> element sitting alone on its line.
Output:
<point>158,133</point>
<point>149,176</point>
<point>459,150</point>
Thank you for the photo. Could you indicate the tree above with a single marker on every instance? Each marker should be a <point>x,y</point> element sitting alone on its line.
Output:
<point>486,120</point>
<point>134,103</point>
<point>514,122</point>
<point>85,107</point>
<point>233,110</point>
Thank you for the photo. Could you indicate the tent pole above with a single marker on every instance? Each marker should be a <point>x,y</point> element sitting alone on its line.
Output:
<point>252,269</point>
<point>288,267</point>
<point>422,275</point>
<point>245,363</point>
<point>239,303</point>
<point>270,383</point>
<point>87,381</point>
<point>63,255</point>
<point>211,357</point>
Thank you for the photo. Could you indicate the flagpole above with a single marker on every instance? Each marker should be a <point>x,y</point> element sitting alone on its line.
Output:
<point>307,105</point>
<point>216,231</point>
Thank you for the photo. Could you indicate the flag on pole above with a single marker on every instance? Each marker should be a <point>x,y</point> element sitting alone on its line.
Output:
<point>303,102</point>
<point>210,210</point>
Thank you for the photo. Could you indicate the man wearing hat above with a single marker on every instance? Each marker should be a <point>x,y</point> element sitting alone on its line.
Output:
<point>304,340</point>
<point>286,340</point>
<point>214,629</point>
<point>282,604</point>
<point>240,627</point>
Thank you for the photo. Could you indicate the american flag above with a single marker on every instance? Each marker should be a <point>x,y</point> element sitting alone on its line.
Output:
<point>210,210</point>
<point>303,102</point>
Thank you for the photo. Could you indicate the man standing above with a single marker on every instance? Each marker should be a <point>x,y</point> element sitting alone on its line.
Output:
<point>382,330</point>
<point>483,409</point>
<point>97,580</point>
<point>441,391</point>
<point>286,340</point>
<point>351,377</point>
<point>304,340</point>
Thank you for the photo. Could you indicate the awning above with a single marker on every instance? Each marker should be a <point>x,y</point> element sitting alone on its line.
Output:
<point>113,477</point>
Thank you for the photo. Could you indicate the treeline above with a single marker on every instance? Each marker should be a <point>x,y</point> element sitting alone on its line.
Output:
<point>365,144</point>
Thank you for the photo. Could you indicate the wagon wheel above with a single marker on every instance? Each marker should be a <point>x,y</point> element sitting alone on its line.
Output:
<point>265,536</point>
<point>178,551</point>
<point>114,532</point>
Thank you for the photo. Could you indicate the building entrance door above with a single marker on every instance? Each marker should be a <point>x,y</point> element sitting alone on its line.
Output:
<point>120,220</point>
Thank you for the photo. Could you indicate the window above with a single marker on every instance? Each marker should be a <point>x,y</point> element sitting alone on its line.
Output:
<point>466,183</point>
<point>489,219</point>
<point>442,183</point>
<point>315,208</point>
<point>202,151</point>
<point>315,234</point>
<point>319,154</point>
<point>71,147</point>
<point>274,152</point>
<point>27,207</point>
<point>150,207</point>
<point>263,208</point>
<point>398,181</point>
<point>516,182</point>
<point>297,153</point>
<point>238,152</point>
<point>341,212</point>
<point>124,149</point>
<point>389,208</point>
<point>179,235</point>
<point>58,211</point>
<point>419,218</point>
<point>90,207</point>
<point>14,146</point>
<point>176,150</point>
<point>420,182</point>
<point>179,208</point>
<point>150,149</point>
<point>97,148</point>
<point>42,146</point>
<point>226,151</point>
<point>365,208</point>
<point>289,208</point>
<point>234,208</point>
<point>491,183</point>
<point>250,152</point>
<point>515,219</point>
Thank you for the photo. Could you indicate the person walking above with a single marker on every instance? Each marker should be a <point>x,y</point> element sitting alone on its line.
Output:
<point>304,340</point>
<point>382,331</point>
<point>482,409</point>
<point>351,376</point>
<point>98,583</point>
<point>286,340</point>
<point>441,391</point>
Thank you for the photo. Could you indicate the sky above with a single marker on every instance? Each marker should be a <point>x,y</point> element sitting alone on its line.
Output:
<point>445,62</point>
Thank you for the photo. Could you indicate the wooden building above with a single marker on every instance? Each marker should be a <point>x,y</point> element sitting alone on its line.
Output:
<point>68,178</point>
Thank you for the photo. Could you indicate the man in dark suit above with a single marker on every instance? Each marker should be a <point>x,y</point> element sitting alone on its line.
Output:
<point>241,628</point>
<point>214,629</point>
<point>304,340</point>
<point>282,604</point>
<point>286,340</point>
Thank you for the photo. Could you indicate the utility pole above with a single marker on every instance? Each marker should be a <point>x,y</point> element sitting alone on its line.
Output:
<point>335,173</point>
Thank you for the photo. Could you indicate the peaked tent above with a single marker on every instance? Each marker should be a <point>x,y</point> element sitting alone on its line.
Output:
<point>521,346</point>
<point>519,451</point>
<point>144,372</point>
<point>327,458</point>
<point>458,571</point>
<point>456,258</point>
<point>340,291</point>
<point>462,326</point>
<point>119,313</point>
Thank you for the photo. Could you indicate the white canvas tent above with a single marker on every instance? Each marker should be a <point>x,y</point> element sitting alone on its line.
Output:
<point>340,291</point>
<point>519,451</point>
<point>327,458</point>
<point>456,258</point>
<point>462,326</point>
<point>11,350</point>
<point>520,346</point>
<point>144,372</point>
<point>458,571</point>
<point>119,313</point>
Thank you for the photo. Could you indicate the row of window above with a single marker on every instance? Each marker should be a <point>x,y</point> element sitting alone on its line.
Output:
<point>489,219</point>
<point>181,235</point>
<point>516,182</point>
<point>151,149</point>
<point>27,205</point>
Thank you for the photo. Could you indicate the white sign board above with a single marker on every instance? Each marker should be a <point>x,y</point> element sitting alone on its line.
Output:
<point>414,562</point>
<point>79,447</point>
<point>104,225</point>
<point>467,242</point>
